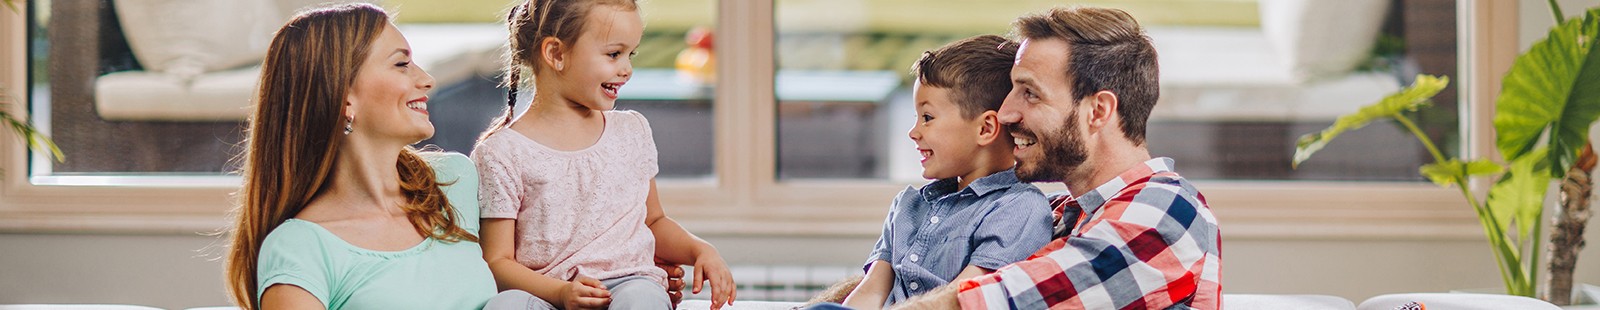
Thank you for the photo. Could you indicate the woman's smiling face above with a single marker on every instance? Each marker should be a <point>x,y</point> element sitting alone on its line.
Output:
<point>390,95</point>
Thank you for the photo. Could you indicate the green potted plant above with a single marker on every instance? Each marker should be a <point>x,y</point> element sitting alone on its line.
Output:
<point>1548,102</point>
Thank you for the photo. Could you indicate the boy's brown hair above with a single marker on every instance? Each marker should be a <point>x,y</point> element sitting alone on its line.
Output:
<point>976,70</point>
<point>1108,51</point>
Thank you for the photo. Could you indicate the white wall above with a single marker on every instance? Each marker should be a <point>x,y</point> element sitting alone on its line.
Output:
<point>1535,18</point>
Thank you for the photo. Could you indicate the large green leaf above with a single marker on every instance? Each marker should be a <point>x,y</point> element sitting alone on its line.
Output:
<point>1552,91</point>
<point>1453,171</point>
<point>1408,99</point>
<point>1519,195</point>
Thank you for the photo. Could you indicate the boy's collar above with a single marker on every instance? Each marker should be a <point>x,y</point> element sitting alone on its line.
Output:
<point>981,186</point>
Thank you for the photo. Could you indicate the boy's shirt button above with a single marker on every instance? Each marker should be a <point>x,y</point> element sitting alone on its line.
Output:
<point>914,258</point>
<point>913,285</point>
<point>935,220</point>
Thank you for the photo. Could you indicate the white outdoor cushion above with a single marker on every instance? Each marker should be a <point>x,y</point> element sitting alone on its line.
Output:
<point>1456,301</point>
<point>143,95</point>
<point>1276,301</point>
<point>186,38</point>
<point>450,52</point>
<point>1318,38</point>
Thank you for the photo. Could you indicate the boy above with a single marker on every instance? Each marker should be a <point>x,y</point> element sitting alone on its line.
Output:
<point>976,216</point>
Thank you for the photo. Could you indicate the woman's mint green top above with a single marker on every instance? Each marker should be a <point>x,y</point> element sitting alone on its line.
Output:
<point>432,275</point>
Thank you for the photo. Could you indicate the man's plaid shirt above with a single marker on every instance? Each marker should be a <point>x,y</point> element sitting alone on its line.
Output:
<point>1149,241</point>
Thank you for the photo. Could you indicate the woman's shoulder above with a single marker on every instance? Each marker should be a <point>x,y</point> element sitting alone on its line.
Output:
<point>293,239</point>
<point>449,166</point>
<point>292,231</point>
<point>458,178</point>
<point>438,158</point>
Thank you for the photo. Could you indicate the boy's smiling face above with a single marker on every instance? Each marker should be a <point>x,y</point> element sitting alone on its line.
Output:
<point>947,139</point>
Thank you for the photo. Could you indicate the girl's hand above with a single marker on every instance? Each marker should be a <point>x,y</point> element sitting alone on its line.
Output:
<point>584,293</point>
<point>710,267</point>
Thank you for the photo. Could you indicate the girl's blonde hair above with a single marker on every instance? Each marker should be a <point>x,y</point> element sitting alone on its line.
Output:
<point>530,23</point>
<point>295,134</point>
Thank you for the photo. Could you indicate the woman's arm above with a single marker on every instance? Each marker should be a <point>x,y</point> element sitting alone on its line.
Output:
<point>874,289</point>
<point>499,250</point>
<point>676,245</point>
<point>285,296</point>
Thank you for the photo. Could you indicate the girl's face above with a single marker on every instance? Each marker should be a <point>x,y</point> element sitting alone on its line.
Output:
<point>390,97</point>
<point>601,61</point>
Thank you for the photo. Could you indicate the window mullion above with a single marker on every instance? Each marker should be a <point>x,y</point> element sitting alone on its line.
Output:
<point>745,113</point>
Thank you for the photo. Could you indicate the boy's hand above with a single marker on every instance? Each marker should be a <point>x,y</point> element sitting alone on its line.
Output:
<point>710,267</point>
<point>584,293</point>
<point>674,280</point>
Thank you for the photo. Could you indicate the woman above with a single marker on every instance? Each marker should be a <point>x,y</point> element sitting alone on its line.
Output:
<point>336,210</point>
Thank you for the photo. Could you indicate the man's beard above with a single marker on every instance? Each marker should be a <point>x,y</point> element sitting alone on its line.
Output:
<point>1063,151</point>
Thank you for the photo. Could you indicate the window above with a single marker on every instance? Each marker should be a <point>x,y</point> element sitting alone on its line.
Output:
<point>117,95</point>
<point>799,81</point>
<point>1241,81</point>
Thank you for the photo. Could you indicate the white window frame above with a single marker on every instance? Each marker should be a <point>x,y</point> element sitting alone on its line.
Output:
<point>745,197</point>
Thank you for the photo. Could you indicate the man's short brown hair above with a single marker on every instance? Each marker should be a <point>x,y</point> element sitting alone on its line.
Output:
<point>976,70</point>
<point>1107,51</point>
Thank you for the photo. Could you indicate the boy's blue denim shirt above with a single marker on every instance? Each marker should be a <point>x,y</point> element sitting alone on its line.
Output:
<point>933,233</point>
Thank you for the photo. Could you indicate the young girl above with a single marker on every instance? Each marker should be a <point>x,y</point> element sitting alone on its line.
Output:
<point>569,203</point>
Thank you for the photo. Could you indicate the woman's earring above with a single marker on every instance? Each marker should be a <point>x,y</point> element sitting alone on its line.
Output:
<point>348,125</point>
<point>558,66</point>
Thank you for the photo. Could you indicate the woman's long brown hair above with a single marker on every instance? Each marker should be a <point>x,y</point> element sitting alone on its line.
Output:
<point>296,133</point>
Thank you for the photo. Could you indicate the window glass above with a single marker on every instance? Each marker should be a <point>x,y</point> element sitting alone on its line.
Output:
<point>1241,80</point>
<point>144,89</point>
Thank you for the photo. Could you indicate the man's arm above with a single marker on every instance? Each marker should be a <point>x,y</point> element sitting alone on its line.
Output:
<point>942,298</point>
<point>1131,253</point>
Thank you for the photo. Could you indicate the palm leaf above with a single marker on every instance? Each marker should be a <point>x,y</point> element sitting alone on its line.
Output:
<point>35,139</point>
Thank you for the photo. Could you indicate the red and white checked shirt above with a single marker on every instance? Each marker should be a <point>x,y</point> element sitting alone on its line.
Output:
<point>1149,241</point>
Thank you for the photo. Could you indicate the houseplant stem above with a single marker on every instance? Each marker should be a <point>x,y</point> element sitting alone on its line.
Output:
<point>1555,8</point>
<point>1566,239</point>
<point>1513,274</point>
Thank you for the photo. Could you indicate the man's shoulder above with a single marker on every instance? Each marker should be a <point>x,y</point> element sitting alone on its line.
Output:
<point>1162,195</point>
<point>1173,183</point>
